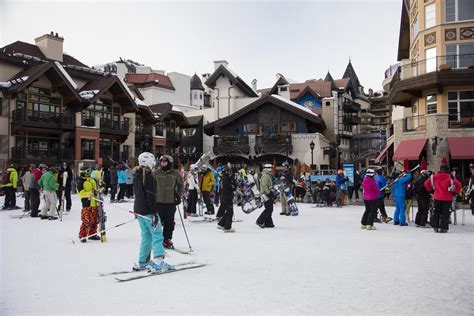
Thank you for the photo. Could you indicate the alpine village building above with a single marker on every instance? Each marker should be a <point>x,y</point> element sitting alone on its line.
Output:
<point>433,86</point>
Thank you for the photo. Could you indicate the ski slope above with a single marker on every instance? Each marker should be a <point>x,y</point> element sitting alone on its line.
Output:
<point>319,262</point>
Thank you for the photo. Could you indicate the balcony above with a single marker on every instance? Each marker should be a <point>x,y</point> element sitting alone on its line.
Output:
<point>351,107</point>
<point>231,145</point>
<point>274,144</point>
<point>414,123</point>
<point>351,120</point>
<point>106,153</point>
<point>50,156</point>
<point>141,132</point>
<point>412,78</point>
<point>44,120</point>
<point>108,126</point>
<point>173,137</point>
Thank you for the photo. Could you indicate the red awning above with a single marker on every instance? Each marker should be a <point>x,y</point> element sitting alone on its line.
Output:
<point>384,151</point>
<point>409,149</point>
<point>461,147</point>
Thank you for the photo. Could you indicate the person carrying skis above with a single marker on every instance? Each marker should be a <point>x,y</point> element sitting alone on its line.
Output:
<point>423,198</point>
<point>371,200</point>
<point>266,184</point>
<point>445,186</point>
<point>50,186</point>
<point>399,192</point>
<point>381,182</point>
<point>145,207</point>
<point>227,188</point>
<point>206,185</point>
<point>169,187</point>
<point>89,213</point>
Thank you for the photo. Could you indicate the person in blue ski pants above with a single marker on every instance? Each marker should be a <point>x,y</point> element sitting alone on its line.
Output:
<point>399,192</point>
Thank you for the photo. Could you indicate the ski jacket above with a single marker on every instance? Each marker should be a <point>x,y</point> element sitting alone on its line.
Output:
<point>68,173</point>
<point>144,188</point>
<point>13,180</point>
<point>228,186</point>
<point>442,182</point>
<point>129,175</point>
<point>36,175</point>
<point>216,177</point>
<point>26,180</point>
<point>420,189</point>
<point>399,188</point>
<point>113,176</point>
<point>169,185</point>
<point>122,178</point>
<point>340,180</point>
<point>266,182</point>
<point>48,182</point>
<point>371,191</point>
<point>207,182</point>
<point>381,181</point>
<point>89,187</point>
<point>192,184</point>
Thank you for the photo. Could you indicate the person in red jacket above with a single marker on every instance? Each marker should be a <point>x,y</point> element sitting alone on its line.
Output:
<point>444,186</point>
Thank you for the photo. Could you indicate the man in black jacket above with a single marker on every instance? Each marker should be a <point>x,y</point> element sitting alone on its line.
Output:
<point>227,188</point>
<point>65,181</point>
<point>113,182</point>
<point>423,198</point>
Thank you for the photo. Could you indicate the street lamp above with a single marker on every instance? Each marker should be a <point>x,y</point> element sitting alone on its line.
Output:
<point>311,145</point>
<point>286,147</point>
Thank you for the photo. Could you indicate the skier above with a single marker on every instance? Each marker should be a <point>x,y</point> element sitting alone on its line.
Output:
<point>371,200</point>
<point>9,184</point>
<point>192,194</point>
<point>129,183</point>
<point>169,186</point>
<point>445,186</point>
<point>50,186</point>
<point>266,183</point>
<point>122,182</point>
<point>150,227</point>
<point>64,181</point>
<point>89,215</point>
<point>423,198</point>
<point>227,187</point>
<point>381,182</point>
<point>470,189</point>
<point>113,182</point>
<point>206,184</point>
<point>34,189</point>
<point>217,183</point>
<point>26,180</point>
<point>399,192</point>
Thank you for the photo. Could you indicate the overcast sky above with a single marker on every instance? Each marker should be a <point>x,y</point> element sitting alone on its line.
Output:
<point>302,40</point>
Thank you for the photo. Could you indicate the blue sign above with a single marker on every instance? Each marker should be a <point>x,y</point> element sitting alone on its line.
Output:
<point>349,170</point>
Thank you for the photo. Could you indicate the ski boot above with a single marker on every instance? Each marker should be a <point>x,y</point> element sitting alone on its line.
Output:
<point>141,266</point>
<point>387,219</point>
<point>230,230</point>
<point>168,244</point>
<point>370,227</point>
<point>94,237</point>
<point>363,226</point>
<point>158,265</point>
<point>220,227</point>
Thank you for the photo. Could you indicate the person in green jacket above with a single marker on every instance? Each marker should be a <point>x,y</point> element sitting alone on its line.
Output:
<point>50,186</point>
<point>266,183</point>
<point>169,187</point>
<point>9,183</point>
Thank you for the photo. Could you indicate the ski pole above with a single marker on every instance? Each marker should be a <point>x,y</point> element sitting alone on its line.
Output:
<point>103,231</point>
<point>184,228</point>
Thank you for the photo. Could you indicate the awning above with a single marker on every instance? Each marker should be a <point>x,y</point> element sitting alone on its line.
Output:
<point>461,147</point>
<point>409,149</point>
<point>384,151</point>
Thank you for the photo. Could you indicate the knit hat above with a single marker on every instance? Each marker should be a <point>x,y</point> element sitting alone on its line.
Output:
<point>444,164</point>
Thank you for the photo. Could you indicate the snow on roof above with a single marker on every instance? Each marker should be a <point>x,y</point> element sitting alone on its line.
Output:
<point>237,76</point>
<point>140,102</point>
<point>88,94</point>
<point>299,106</point>
<point>72,82</point>
<point>9,83</point>
<point>132,96</point>
<point>176,109</point>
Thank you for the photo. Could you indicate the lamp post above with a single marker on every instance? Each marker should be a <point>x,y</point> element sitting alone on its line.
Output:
<point>311,145</point>
<point>286,147</point>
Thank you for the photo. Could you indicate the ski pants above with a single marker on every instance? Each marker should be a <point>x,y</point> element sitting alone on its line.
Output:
<point>207,200</point>
<point>370,212</point>
<point>422,214</point>
<point>284,204</point>
<point>151,238</point>
<point>67,196</point>
<point>27,200</point>
<point>50,201</point>
<point>381,208</point>
<point>266,217</point>
<point>34,201</point>
<point>192,200</point>
<point>166,212</point>
<point>226,220</point>
<point>10,197</point>
<point>441,214</point>
<point>113,191</point>
<point>90,220</point>
<point>339,197</point>
<point>121,193</point>
<point>399,215</point>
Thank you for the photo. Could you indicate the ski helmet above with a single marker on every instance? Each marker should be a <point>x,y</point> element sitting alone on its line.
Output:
<point>370,172</point>
<point>146,159</point>
<point>268,167</point>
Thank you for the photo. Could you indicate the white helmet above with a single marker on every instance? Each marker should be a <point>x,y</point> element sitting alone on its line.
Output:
<point>370,172</point>
<point>268,167</point>
<point>146,159</point>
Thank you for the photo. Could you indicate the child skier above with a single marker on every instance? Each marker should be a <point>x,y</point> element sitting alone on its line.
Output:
<point>89,213</point>
<point>371,200</point>
<point>227,187</point>
<point>148,218</point>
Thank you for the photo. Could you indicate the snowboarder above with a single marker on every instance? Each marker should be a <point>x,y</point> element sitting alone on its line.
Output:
<point>150,227</point>
<point>423,198</point>
<point>227,187</point>
<point>169,187</point>
<point>371,200</point>
<point>399,192</point>
<point>89,215</point>
<point>445,186</point>
<point>266,183</point>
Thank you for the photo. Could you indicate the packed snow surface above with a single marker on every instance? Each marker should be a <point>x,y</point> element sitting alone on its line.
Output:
<point>319,262</point>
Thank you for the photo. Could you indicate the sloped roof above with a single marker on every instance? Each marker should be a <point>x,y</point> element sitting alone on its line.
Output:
<point>274,100</point>
<point>196,83</point>
<point>155,79</point>
<point>351,74</point>
<point>165,110</point>
<point>195,120</point>
<point>404,36</point>
<point>233,77</point>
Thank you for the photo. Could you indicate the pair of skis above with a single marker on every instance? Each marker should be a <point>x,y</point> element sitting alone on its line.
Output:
<point>141,274</point>
<point>398,178</point>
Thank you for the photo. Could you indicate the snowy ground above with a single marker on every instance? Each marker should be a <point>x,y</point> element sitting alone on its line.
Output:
<point>320,262</point>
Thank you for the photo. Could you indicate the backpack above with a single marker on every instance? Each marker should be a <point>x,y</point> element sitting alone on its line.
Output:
<point>6,177</point>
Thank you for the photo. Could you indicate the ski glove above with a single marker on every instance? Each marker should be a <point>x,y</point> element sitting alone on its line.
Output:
<point>155,221</point>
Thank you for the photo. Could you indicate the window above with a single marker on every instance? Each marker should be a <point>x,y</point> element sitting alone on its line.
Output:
<point>288,127</point>
<point>430,103</point>
<point>200,96</point>
<point>283,88</point>
<point>460,55</point>
<point>460,105</point>
<point>328,103</point>
<point>459,10</point>
<point>4,144</point>
<point>250,129</point>
<point>195,96</point>
<point>160,128</point>
<point>190,131</point>
<point>430,15</point>
<point>415,29</point>
<point>430,56</point>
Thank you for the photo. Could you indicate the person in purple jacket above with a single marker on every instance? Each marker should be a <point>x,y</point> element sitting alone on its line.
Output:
<point>371,193</point>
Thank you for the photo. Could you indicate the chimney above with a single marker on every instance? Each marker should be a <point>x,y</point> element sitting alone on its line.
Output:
<point>254,84</point>
<point>217,63</point>
<point>51,46</point>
